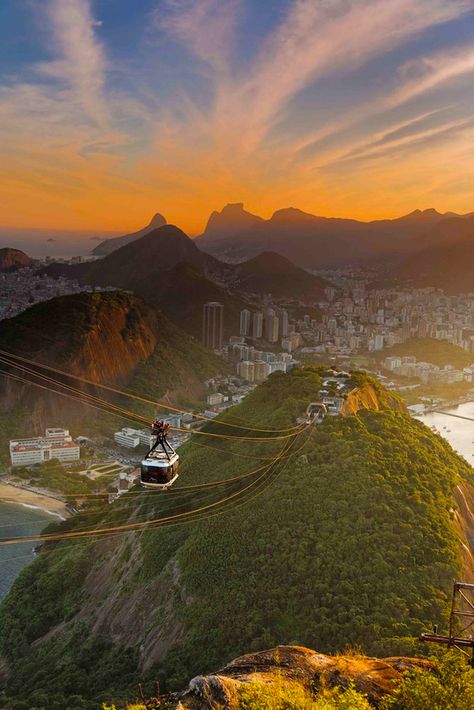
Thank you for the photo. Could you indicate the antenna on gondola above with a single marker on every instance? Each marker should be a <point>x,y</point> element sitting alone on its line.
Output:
<point>159,468</point>
<point>461,621</point>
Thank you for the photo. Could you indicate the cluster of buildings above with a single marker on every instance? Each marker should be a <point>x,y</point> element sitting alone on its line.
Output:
<point>55,444</point>
<point>356,318</point>
<point>253,365</point>
<point>408,366</point>
<point>268,325</point>
<point>23,288</point>
<point>353,317</point>
<point>272,324</point>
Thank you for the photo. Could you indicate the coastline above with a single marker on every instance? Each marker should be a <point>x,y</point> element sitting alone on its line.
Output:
<point>22,496</point>
<point>450,404</point>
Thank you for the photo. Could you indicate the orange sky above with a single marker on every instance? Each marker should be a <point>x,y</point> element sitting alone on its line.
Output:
<point>192,118</point>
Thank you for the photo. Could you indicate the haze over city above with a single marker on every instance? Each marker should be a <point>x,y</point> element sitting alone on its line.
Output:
<point>111,111</point>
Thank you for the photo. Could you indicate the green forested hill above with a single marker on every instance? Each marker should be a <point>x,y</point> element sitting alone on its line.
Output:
<point>113,338</point>
<point>351,541</point>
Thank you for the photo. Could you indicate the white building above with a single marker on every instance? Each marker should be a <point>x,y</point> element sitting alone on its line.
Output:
<point>378,342</point>
<point>174,420</point>
<point>246,370</point>
<point>215,398</point>
<point>55,444</point>
<point>392,362</point>
<point>278,367</point>
<point>131,438</point>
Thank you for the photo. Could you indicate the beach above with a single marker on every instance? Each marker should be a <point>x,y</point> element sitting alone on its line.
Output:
<point>28,498</point>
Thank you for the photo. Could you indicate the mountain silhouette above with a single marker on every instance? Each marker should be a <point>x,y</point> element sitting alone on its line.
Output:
<point>110,245</point>
<point>316,242</point>
<point>445,259</point>
<point>272,273</point>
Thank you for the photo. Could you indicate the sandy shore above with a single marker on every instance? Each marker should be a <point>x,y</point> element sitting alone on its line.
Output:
<point>21,496</point>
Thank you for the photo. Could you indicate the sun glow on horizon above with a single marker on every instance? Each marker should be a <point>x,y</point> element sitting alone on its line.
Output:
<point>351,109</point>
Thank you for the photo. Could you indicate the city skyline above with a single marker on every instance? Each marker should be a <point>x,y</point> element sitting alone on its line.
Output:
<point>110,112</point>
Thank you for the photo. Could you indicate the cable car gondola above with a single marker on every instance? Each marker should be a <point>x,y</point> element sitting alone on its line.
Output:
<point>316,412</point>
<point>159,468</point>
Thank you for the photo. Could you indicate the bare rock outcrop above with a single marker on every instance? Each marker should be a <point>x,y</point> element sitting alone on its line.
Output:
<point>290,665</point>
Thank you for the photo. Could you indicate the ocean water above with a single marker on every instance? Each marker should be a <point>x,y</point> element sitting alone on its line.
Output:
<point>16,521</point>
<point>53,243</point>
<point>459,432</point>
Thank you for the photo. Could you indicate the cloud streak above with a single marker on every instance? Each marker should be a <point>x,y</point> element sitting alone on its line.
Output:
<point>205,27</point>
<point>80,63</point>
<point>425,74</point>
<point>318,38</point>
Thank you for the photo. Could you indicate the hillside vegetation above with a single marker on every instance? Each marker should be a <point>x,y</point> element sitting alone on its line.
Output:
<point>13,259</point>
<point>350,541</point>
<point>109,337</point>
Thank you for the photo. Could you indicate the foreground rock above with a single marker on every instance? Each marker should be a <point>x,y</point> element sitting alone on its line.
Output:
<point>286,666</point>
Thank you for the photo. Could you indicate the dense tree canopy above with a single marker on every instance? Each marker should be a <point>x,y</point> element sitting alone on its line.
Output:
<point>347,539</point>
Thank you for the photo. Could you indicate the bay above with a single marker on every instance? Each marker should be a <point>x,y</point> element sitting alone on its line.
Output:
<point>459,432</point>
<point>15,521</point>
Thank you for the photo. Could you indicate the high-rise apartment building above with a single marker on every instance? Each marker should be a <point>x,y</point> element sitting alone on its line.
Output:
<point>213,325</point>
<point>271,326</point>
<point>257,325</point>
<point>245,322</point>
<point>283,320</point>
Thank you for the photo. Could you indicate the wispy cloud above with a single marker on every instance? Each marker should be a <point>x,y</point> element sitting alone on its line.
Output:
<point>260,128</point>
<point>395,142</point>
<point>427,73</point>
<point>204,27</point>
<point>318,38</point>
<point>80,61</point>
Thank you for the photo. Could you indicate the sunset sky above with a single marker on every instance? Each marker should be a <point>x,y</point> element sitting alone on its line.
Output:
<point>111,110</point>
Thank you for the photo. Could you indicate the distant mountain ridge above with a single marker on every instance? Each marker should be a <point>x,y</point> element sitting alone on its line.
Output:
<point>168,269</point>
<point>235,235</point>
<point>130,265</point>
<point>110,245</point>
<point>312,241</point>
<point>270,272</point>
<point>445,258</point>
<point>231,220</point>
